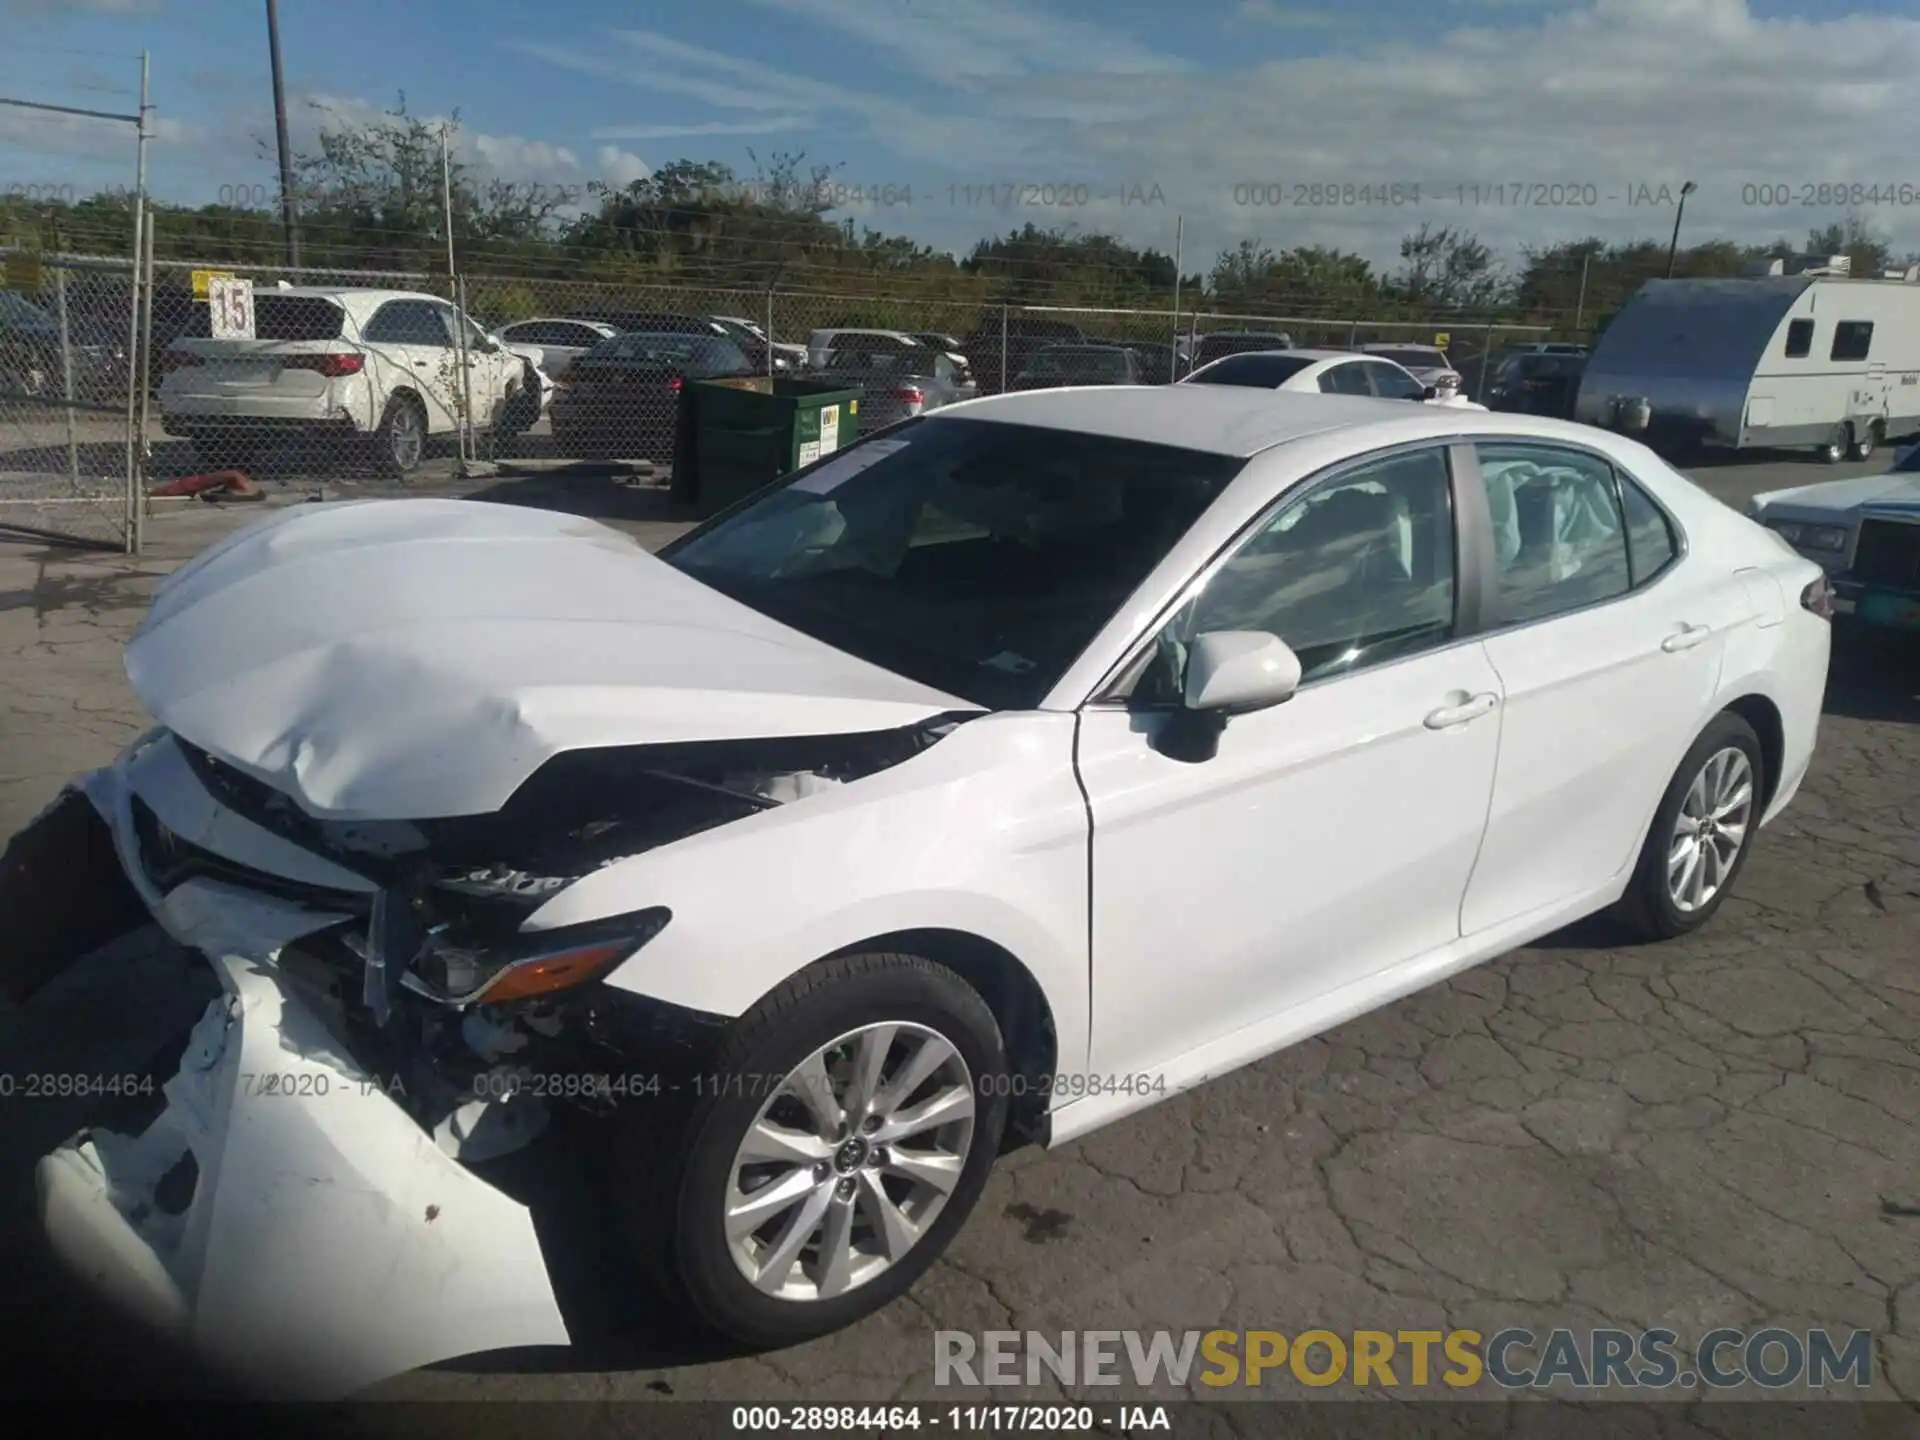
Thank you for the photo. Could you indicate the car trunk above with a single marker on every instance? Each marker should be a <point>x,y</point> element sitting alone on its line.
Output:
<point>297,351</point>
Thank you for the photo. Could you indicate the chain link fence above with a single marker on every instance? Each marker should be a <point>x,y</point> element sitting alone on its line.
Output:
<point>68,328</point>
<point>361,375</point>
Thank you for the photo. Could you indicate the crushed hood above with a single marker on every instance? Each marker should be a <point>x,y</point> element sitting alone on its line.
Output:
<point>1894,490</point>
<point>418,659</point>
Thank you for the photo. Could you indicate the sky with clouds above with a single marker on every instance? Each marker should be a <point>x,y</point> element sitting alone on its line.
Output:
<point>1525,121</point>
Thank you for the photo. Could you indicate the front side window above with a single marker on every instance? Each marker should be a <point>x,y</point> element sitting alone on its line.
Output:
<point>1559,539</point>
<point>410,322</point>
<point>977,557</point>
<point>1356,572</point>
<point>1799,339</point>
<point>1852,339</point>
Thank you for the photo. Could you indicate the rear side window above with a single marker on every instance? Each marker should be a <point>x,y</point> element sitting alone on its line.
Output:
<point>1651,544</point>
<point>1347,379</point>
<point>1799,339</point>
<point>1851,340</point>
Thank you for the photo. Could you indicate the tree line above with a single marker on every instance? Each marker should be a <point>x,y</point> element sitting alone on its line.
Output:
<point>370,197</point>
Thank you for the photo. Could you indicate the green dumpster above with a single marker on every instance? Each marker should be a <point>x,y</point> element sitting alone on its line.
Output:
<point>734,436</point>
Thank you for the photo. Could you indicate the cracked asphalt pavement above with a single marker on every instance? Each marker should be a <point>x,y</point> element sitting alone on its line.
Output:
<point>1720,1131</point>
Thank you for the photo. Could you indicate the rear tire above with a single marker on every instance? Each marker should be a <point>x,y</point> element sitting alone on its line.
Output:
<point>400,440</point>
<point>1657,904</point>
<point>892,1224</point>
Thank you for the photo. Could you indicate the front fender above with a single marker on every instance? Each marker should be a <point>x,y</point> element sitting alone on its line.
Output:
<point>986,833</point>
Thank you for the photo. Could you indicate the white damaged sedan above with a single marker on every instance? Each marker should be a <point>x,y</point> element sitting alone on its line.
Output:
<point>994,778</point>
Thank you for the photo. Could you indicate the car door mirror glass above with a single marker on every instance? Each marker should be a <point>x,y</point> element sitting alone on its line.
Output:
<point>1430,392</point>
<point>1233,671</point>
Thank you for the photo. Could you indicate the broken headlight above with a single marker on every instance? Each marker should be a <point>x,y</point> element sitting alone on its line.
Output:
<point>456,963</point>
<point>538,963</point>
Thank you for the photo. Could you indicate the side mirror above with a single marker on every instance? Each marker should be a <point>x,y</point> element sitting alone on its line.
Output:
<point>1234,671</point>
<point>1430,393</point>
<point>1228,672</point>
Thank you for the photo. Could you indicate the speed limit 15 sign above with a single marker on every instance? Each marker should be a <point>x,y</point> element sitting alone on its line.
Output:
<point>230,309</point>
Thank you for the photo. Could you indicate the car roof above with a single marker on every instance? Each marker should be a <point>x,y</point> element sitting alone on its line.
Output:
<point>1236,420</point>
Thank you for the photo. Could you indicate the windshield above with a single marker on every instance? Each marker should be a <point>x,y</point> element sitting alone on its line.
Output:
<point>1551,367</point>
<point>976,557</point>
<point>1107,364</point>
<point>676,351</point>
<point>15,310</point>
<point>1212,347</point>
<point>1262,372</point>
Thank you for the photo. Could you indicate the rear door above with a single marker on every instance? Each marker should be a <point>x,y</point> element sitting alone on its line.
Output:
<point>410,341</point>
<point>1608,642</point>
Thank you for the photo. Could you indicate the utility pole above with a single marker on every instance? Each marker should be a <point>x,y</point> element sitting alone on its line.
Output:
<point>1673,246</point>
<point>289,211</point>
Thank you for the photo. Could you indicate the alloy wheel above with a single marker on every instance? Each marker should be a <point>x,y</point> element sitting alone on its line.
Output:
<point>406,439</point>
<point>850,1162</point>
<point>1710,830</point>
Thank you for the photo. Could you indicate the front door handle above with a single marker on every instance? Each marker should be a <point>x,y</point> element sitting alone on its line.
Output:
<point>1450,715</point>
<point>1685,638</point>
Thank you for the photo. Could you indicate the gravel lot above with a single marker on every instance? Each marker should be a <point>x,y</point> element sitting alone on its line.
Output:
<point>1722,1131</point>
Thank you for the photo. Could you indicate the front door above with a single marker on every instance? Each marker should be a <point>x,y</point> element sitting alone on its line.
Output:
<point>1331,836</point>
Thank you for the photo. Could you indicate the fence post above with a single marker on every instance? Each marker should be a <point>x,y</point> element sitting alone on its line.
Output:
<point>1486,358</point>
<point>142,361</point>
<point>1003,348</point>
<point>66,376</point>
<point>770,336</point>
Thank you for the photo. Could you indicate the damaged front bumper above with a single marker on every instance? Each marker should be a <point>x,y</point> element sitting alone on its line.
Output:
<point>283,1214</point>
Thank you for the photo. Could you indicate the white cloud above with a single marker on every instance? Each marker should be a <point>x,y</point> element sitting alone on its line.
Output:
<point>620,168</point>
<point>1287,15</point>
<point>84,7</point>
<point>952,44</point>
<point>772,125</point>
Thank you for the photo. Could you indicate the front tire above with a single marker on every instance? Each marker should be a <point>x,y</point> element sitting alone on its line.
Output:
<point>852,1119</point>
<point>1701,835</point>
<point>1864,442</point>
<point>1837,445</point>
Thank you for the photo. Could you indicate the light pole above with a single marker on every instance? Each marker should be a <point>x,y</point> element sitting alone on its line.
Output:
<point>289,215</point>
<point>1673,246</point>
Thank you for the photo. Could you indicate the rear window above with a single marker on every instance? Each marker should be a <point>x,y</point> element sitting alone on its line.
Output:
<point>1212,347</point>
<point>1414,357</point>
<point>1551,367</point>
<point>279,317</point>
<point>1261,372</point>
<point>688,352</point>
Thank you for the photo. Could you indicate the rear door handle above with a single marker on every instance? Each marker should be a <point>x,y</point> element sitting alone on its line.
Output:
<point>1685,638</point>
<point>1451,715</point>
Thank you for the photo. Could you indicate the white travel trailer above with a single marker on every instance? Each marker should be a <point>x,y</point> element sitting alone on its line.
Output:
<point>1809,359</point>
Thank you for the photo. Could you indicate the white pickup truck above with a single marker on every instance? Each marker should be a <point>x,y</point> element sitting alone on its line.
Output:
<point>379,369</point>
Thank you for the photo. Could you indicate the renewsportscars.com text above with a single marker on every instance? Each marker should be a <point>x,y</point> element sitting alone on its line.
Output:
<point>1510,1359</point>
